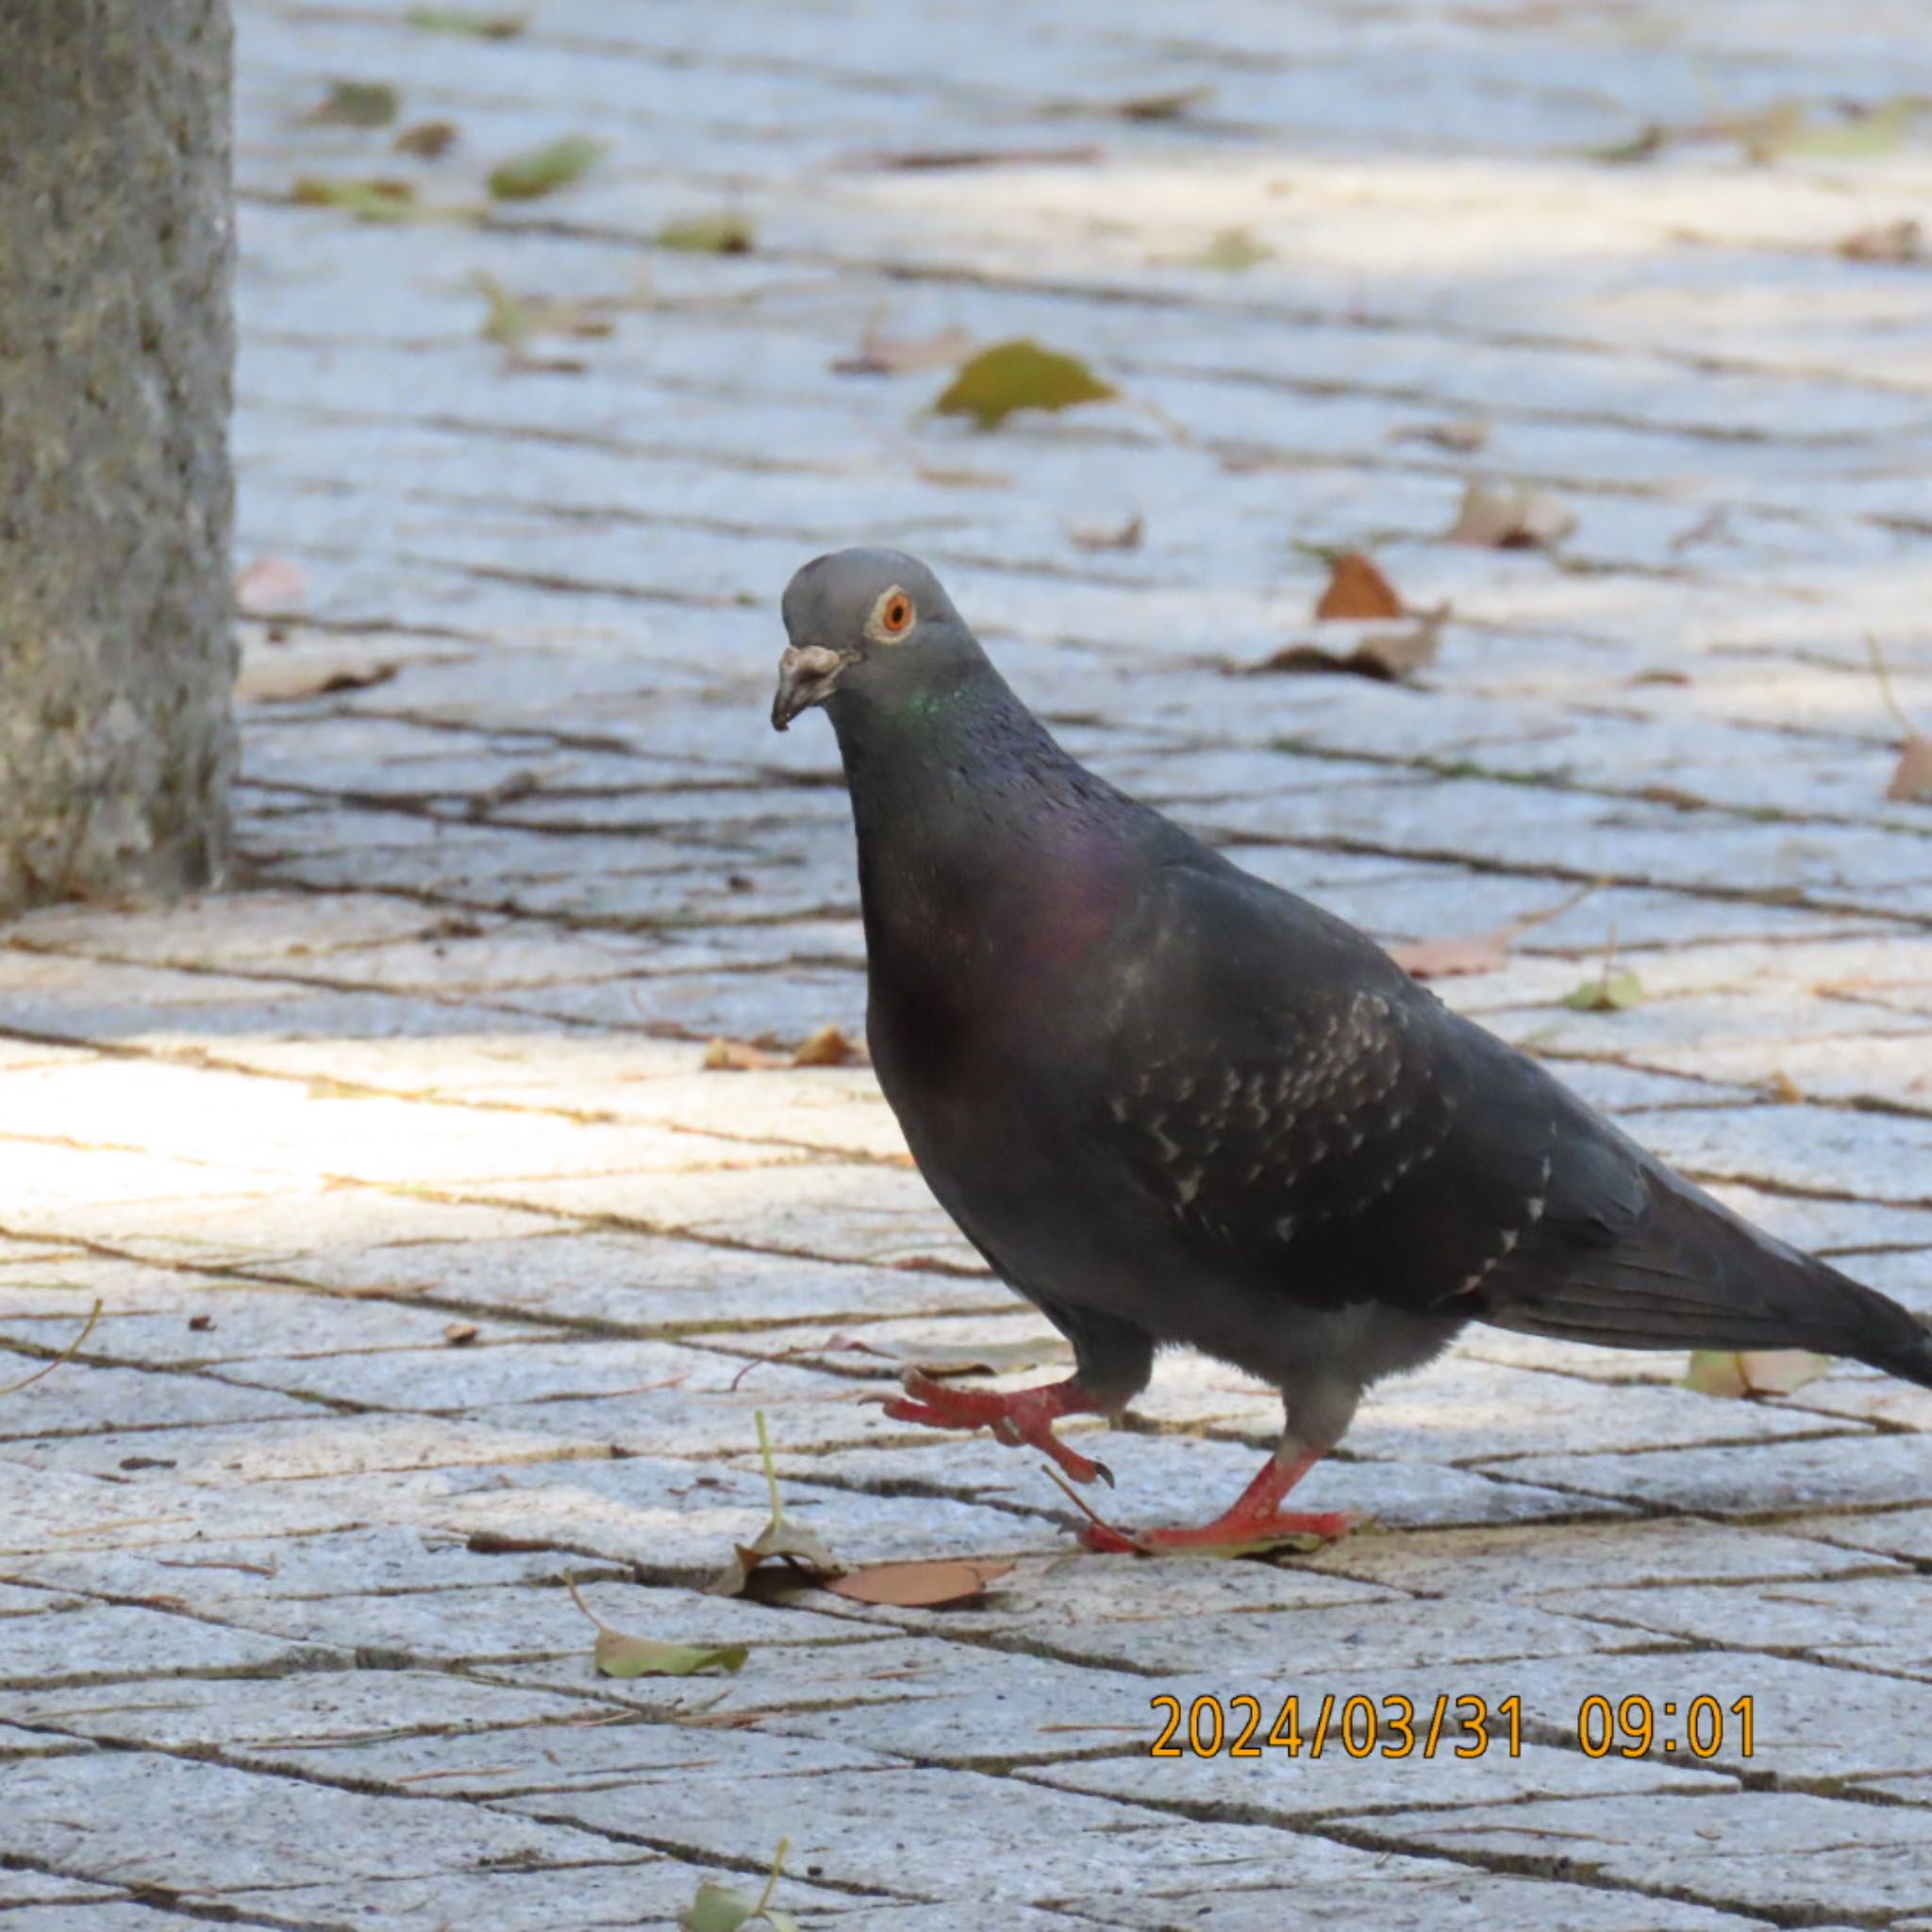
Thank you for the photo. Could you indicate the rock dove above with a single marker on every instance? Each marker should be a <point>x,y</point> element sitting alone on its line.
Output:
<point>1172,1104</point>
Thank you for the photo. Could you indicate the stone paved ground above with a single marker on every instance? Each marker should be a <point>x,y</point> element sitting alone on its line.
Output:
<point>434,1270</point>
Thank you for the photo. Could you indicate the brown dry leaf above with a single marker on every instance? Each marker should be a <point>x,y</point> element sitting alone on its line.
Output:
<point>1510,517</point>
<point>1357,587</point>
<point>460,1334</point>
<point>1786,1089</point>
<point>1465,436</point>
<point>920,1585</point>
<point>427,139</point>
<point>879,355</point>
<point>1479,952</point>
<point>830,1046</point>
<point>270,587</point>
<point>1125,536</point>
<point>1895,241</point>
<point>1911,779</point>
<point>724,1055</point>
<point>1388,656</point>
<point>1743,1372</point>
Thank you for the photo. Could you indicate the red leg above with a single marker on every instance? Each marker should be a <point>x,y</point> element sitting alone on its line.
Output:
<point>1025,1415</point>
<point>1255,1521</point>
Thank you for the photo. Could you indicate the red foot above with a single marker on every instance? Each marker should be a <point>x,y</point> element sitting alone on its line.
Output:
<point>1256,1522</point>
<point>1026,1415</point>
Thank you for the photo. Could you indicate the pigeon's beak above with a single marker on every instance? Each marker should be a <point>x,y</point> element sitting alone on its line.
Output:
<point>807,676</point>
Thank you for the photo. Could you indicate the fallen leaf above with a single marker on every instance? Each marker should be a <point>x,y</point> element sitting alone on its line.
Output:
<point>617,1653</point>
<point>544,170</point>
<point>1608,993</point>
<point>1744,1372</point>
<point>726,1908</point>
<point>515,318</point>
<point>1387,656</point>
<point>1786,1089</point>
<point>1357,588</point>
<point>829,1046</point>
<point>355,103</point>
<point>1480,952</point>
<point>1019,374</point>
<point>1511,518</point>
<point>1644,145</point>
<point>283,676</point>
<point>919,1585</point>
<point>368,200</point>
<point>1787,128</point>
<point>919,160</point>
<point>1903,241</point>
<point>722,1056</point>
<point>799,1548</point>
<point>1168,106</point>
<point>427,139</point>
<point>880,355</point>
<point>1125,536</point>
<point>1232,250</point>
<point>724,234</point>
<point>270,587</point>
<point>460,1334</point>
<point>1465,434</point>
<point>476,26</point>
<point>1912,778</point>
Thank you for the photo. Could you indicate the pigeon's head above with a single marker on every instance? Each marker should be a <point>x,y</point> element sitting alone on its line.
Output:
<point>870,622</point>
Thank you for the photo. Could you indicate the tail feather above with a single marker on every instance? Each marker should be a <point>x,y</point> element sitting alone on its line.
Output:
<point>1687,1273</point>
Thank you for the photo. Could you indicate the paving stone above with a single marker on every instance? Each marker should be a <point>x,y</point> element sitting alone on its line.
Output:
<point>97,1642</point>
<point>190,1826</point>
<point>325,1711</point>
<point>912,1832</point>
<point>639,1890</point>
<point>1457,1899</point>
<point>1747,1849</point>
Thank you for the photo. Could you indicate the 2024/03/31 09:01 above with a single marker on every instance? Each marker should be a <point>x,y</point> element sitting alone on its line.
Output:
<point>1395,1726</point>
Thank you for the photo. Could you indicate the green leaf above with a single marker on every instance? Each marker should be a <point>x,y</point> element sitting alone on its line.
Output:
<point>709,235</point>
<point>717,1908</point>
<point>544,170</point>
<point>1019,374</point>
<point>356,104</point>
<point>725,1908</point>
<point>476,26</point>
<point>1612,993</point>
<point>799,1547</point>
<point>617,1655</point>
<point>1233,249</point>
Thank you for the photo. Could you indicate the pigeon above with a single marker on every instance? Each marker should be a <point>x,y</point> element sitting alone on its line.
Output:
<point>1172,1104</point>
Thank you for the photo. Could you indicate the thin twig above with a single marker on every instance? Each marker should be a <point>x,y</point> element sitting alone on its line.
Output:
<point>66,1354</point>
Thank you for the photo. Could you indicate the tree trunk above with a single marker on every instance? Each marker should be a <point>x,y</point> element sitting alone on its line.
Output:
<point>116,352</point>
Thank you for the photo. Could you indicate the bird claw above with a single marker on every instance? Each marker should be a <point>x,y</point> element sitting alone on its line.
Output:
<point>1022,1418</point>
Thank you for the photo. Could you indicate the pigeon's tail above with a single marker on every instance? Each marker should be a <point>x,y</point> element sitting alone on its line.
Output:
<point>1689,1274</point>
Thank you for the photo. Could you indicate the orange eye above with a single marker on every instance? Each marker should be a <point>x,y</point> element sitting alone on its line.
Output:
<point>895,614</point>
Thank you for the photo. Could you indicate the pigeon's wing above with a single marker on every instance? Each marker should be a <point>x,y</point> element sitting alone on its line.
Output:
<point>1302,1110</point>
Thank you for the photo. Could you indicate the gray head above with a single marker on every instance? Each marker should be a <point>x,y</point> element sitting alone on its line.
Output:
<point>871,624</point>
